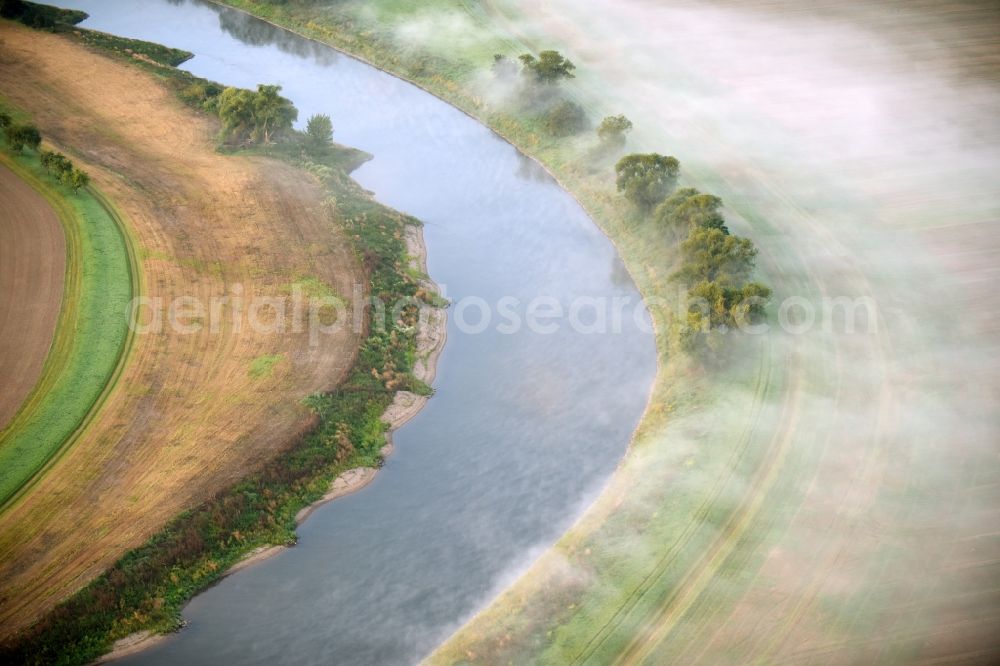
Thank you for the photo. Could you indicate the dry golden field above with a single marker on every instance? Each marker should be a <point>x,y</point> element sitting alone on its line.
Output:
<point>187,415</point>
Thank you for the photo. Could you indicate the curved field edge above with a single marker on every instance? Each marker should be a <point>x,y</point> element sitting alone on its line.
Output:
<point>91,339</point>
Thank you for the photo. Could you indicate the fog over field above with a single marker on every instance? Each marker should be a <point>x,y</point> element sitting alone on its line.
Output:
<point>859,147</point>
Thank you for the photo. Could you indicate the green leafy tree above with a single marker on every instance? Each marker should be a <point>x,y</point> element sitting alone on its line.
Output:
<point>203,94</point>
<point>55,163</point>
<point>549,67</point>
<point>255,117</point>
<point>613,129</point>
<point>19,136</point>
<point>688,208</point>
<point>721,305</point>
<point>236,113</point>
<point>646,179</point>
<point>713,310</point>
<point>78,179</point>
<point>566,118</point>
<point>749,308</point>
<point>272,113</point>
<point>46,158</point>
<point>711,255</point>
<point>5,119</point>
<point>319,131</point>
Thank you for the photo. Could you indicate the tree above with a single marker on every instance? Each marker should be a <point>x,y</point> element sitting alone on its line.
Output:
<point>19,136</point>
<point>613,129</point>
<point>46,158</point>
<point>78,179</point>
<point>11,8</point>
<point>5,119</point>
<point>688,208</point>
<point>252,117</point>
<point>646,179</point>
<point>62,169</point>
<point>236,113</point>
<point>566,118</point>
<point>272,113</point>
<point>503,67</point>
<point>549,67</point>
<point>749,308</point>
<point>55,163</point>
<point>319,130</point>
<point>713,309</point>
<point>711,255</point>
<point>721,305</point>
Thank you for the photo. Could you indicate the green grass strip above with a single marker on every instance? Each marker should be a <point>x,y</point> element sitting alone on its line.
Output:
<point>91,335</point>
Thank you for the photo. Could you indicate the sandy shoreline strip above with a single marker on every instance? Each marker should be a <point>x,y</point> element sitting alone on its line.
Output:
<point>132,644</point>
<point>431,335</point>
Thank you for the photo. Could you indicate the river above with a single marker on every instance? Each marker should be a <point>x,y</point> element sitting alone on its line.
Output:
<point>524,428</point>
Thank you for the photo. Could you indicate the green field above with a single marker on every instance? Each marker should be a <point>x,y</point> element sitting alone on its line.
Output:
<point>91,335</point>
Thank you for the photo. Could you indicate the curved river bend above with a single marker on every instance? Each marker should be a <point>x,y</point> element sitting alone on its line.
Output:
<point>524,428</point>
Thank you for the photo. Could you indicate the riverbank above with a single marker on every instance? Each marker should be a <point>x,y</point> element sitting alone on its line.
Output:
<point>430,341</point>
<point>850,484</point>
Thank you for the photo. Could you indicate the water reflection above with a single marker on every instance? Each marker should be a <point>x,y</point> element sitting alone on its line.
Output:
<point>529,169</point>
<point>254,32</point>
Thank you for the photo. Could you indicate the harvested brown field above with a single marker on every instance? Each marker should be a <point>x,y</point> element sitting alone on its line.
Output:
<point>192,412</point>
<point>32,264</point>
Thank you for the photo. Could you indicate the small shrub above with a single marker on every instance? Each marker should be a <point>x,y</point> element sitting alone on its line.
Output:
<point>565,119</point>
<point>19,136</point>
<point>319,131</point>
<point>613,129</point>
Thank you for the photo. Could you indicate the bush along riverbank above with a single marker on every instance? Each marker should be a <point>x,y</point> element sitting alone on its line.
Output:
<point>146,589</point>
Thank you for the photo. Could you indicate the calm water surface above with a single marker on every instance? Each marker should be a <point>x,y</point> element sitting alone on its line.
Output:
<point>524,428</point>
